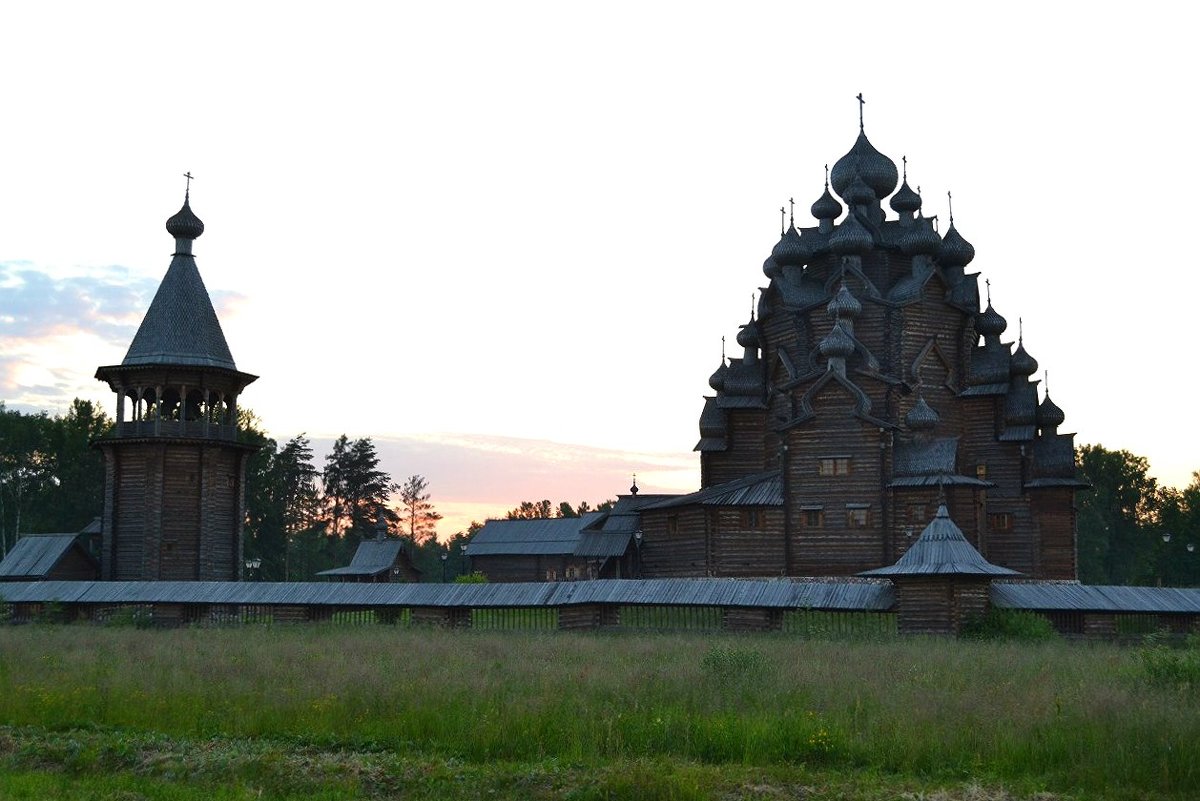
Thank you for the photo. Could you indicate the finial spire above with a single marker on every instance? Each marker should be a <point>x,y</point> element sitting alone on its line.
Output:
<point>988,281</point>
<point>752,307</point>
<point>634,489</point>
<point>950,203</point>
<point>905,160</point>
<point>782,220</point>
<point>861,103</point>
<point>792,213</point>
<point>827,176</point>
<point>1046,382</point>
<point>1020,330</point>
<point>722,350</point>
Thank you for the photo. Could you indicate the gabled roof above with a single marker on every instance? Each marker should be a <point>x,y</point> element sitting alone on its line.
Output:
<point>181,326</point>
<point>372,558</point>
<point>35,555</point>
<point>552,536</point>
<point>941,550</point>
<point>760,489</point>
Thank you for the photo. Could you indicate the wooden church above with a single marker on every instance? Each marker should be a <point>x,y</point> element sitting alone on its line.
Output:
<point>872,388</point>
<point>174,470</point>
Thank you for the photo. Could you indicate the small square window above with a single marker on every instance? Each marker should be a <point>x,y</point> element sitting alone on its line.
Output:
<point>917,513</point>
<point>752,518</point>
<point>673,524</point>
<point>814,518</point>
<point>1000,521</point>
<point>834,466</point>
<point>551,575</point>
<point>858,516</point>
<point>981,471</point>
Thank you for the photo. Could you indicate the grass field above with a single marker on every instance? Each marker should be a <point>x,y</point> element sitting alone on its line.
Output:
<point>327,712</point>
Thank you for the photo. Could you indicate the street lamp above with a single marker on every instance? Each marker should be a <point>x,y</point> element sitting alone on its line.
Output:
<point>1166,535</point>
<point>252,565</point>
<point>637,541</point>
<point>445,554</point>
<point>462,550</point>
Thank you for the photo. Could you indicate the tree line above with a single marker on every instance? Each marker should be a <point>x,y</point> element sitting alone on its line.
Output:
<point>302,519</point>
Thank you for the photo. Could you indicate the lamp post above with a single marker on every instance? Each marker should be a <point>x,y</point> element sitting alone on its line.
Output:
<point>637,542</point>
<point>445,555</point>
<point>1163,561</point>
<point>462,550</point>
<point>251,566</point>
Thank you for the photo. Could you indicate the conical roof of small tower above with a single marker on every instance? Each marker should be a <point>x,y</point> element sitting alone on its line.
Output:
<point>181,326</point>
<point>941,550</point>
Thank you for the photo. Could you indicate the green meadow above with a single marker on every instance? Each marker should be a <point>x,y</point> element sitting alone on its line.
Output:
<point>380,712</point>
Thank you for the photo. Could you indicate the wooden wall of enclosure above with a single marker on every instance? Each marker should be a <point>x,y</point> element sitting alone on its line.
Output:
<point>930,605</point>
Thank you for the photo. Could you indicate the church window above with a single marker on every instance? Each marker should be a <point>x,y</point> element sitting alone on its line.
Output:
<point>572,573</point>
<point>981,471</point>
<point>858,515</point>
<point>551,574</point>
<point>672,524</point>
<point>1000,521</point>
<point>917,513</point>
<point>834,466</point>
<point>812,516</point>
<point>752,518</point>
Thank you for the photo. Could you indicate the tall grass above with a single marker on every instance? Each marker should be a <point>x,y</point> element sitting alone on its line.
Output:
<point>1068,718</point>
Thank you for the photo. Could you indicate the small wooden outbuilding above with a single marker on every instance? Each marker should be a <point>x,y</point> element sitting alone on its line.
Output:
<point>50,557</point>
<point>941,581</point>
<point>377,561</point>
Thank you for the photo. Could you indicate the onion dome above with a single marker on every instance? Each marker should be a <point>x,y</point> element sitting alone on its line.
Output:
<point>858,193</point>
<point>905,200</point>
<point>1022,363</point>
<point>791,250</point>
<point>185,224</point>
<point>771,268</point>
<point>748,336</point>
<point>1048,414</point>
<point>990,323</point>
<point>921,239</point>
<point>922,416</point>
<point>837,343</point>
<point>955,251</point>
<point>864,161</point>
<point>717,379</point>
<point>851,238</point>
<point>826,207</point>
<point>844,304</point>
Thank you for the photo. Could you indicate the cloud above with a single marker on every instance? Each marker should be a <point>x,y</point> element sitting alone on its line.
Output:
<point>106,302</point>
<point>55,328</point>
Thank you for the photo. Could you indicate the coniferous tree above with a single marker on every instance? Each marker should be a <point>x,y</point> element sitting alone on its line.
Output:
<point>418,518</point>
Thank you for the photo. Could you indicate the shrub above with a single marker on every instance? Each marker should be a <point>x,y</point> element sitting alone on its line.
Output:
<point>1165,666</point>
<point>1009,624</point>
<point>733,663</point>
<point>471,578</point>
<point>5,610</point>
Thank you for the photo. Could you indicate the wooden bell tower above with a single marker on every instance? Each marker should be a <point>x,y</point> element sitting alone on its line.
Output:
<point>174,471</point>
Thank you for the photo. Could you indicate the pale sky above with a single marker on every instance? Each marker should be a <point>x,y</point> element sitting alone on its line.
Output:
<point>505,239</point>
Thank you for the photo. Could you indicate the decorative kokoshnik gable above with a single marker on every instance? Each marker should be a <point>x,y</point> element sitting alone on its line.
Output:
<point>871,382</point>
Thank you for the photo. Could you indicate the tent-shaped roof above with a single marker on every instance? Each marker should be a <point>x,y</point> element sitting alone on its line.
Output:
<point>372,558</point>
<point>941,550</point>
<point>35,555</point>
<point>181,326</point>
